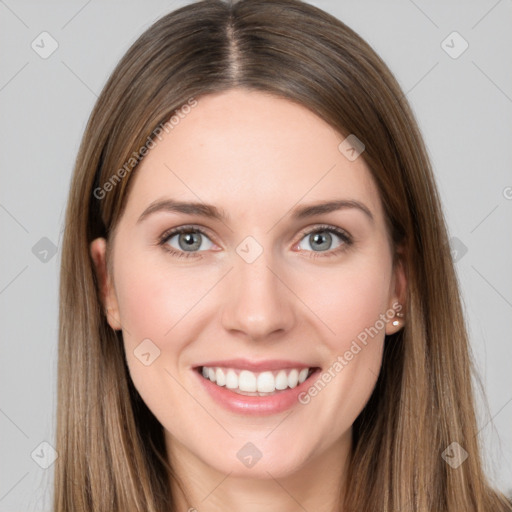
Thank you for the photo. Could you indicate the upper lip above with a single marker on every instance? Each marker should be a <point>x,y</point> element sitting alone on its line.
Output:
<point>256,366</point>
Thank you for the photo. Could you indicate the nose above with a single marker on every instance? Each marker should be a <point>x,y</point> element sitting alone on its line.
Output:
<point>258,304</point>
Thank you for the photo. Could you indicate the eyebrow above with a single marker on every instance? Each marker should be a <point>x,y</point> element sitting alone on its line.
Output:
<point>211,211</point>
<point>191,208</point>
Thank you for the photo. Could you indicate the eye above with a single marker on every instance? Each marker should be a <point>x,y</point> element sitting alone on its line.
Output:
<point>188,241</point>
<point>185,239</point>
<point>325,239</point>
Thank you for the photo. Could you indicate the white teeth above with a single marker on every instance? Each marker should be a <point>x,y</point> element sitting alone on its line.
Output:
<point>281,380</point>
<point>220,377</point>
<point>247,382</point>
<point>293,378</point>
<point>231,379</point>
<point>265,382</point>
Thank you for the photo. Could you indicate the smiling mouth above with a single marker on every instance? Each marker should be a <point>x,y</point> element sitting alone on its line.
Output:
<point>248,383</point>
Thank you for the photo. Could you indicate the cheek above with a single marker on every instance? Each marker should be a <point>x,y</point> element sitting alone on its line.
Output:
<point>156,303</point>
<point>154,296</point>
<point>352,302</point>
<point>163,303</point>
<point>350,299</point>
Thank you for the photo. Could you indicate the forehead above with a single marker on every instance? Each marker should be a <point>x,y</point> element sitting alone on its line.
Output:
<point>253,154</point>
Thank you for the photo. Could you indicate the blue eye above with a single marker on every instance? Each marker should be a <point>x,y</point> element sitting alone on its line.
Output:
<point>183,240</point>
<point>322,238</point>
<point>190,241</point>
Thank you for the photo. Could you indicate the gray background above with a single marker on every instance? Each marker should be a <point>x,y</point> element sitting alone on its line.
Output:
<point>464,107</point>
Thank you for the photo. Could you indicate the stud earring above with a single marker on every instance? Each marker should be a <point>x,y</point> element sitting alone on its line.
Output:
<point>396,322</point>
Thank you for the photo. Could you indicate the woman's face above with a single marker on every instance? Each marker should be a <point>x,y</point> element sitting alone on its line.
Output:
<point>265,284</point>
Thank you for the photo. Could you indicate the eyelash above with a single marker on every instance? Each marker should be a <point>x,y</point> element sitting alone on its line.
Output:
<point>343,235</point>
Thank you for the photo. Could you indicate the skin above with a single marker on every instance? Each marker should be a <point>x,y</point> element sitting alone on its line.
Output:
<point>287,304</point>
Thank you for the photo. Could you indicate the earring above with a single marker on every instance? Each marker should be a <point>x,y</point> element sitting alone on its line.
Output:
<point>400,315</point>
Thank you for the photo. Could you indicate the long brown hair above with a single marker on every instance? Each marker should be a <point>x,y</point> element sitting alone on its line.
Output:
<point>112,450</point>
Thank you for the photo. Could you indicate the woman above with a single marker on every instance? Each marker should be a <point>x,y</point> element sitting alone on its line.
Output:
<point>258,303</point>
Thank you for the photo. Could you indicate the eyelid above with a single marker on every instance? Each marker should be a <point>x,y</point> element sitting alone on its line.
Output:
<point>325,227</point>
<point>184,229</point>
<point>341,233</point>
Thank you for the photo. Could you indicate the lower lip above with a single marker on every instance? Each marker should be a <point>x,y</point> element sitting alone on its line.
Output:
<point>255,405</point>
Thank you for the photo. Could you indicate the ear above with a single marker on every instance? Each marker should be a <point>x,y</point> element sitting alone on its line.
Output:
<point>397,297</point>
<point>108,297</point>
